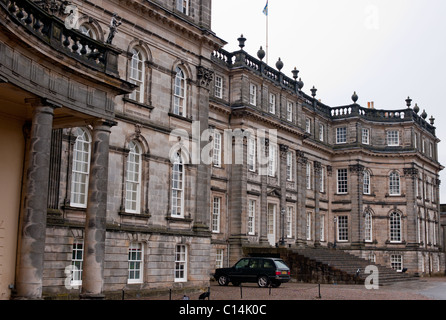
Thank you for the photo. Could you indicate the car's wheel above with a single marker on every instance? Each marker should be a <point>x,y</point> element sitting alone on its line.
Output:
<point>262,281</point>
<point>223,280</point>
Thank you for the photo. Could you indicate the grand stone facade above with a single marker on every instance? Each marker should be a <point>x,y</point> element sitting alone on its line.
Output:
<point>156,156</point>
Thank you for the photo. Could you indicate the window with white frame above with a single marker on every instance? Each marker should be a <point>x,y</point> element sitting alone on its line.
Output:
<point>177,187</point>
<point>343,228</point>
<point>217,149</point>
<point>272,163</point>
<point>219,258</point>
<point>289,166</point>
<point>342,181</point>
<point>180,263</point>
<point>135,263</point>
<point>322,180</point>
<point>216,208</point>
<point>396,262</point>
<point>322,227</point>
<point>183,6</point>
<point>309,225</point>
<point>372,257</point>
<point>289,111</point>
<point>252,149</point>
<point>366,182</point>
<point>393,138</point>
<point>308,175</point>
<point>272,103</point>
<point>395,227</point>
<point>253,94</point>
<point>365,136</point>
<point>80,168</point>
<point>218,89</point>
<point>341,135</point>
<point>415,141</point>
<point>77,260</point>
<point>368,227</point>
<point>137,75</point>
<point>251,216</point>
<point>133,179</point>
<point>321,132</point>
<point>289,222</point>
<point>179,95</point>
<point>394,184</point>
<point>307,125</point>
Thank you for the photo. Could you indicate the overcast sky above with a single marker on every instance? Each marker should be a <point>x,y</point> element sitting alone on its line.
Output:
<point>383,50</point>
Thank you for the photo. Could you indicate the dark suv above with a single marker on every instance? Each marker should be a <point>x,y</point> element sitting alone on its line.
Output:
<point>263,271</point>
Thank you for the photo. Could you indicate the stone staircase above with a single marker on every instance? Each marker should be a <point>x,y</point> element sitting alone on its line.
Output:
<point>346,265</point>
<point>321,265</point>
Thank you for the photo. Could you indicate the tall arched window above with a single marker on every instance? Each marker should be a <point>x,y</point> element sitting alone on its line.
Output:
<point>394,183</point>
<point>133,179</point>
<point>177,187</point>
<point>368,227</point>
<point>179,94</point>
<point>80,170</point>
<point>137,74</point>
<point>395,227</point>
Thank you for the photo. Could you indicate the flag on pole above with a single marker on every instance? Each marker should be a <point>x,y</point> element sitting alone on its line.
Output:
<point>265,10</point>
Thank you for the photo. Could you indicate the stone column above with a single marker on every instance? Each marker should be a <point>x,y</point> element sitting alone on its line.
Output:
<point>33,219</point>
<point>94,240</point>
<point>301,168</point>
<point>283,181</point>
<point>357,216</point>
<point>411,175</point>
<point>317,216</point>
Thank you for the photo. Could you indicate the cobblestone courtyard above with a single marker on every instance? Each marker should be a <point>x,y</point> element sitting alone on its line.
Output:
<point>424,289</point>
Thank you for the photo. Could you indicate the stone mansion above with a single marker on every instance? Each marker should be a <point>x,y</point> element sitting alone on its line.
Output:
<point>140,155</point>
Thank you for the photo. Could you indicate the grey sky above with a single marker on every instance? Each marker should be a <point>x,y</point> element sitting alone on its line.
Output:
<point>383,50</point>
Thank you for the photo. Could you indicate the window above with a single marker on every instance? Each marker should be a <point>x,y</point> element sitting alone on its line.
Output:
<point>179,103</point>
<point>343,228</point>
<point>368,227</point>
<point>272,103</point>
<point>307,125</point>
<point>341,135</point>
<point>137,75</point>
<point>217,149</point>
<point>289,111</point>
<point>396,262</point>
<point>80,169</point>
<point>309,226</point>
<point>272,163</point>
<point>322,227</point>
<point>180,263</point>
<point>218,87</point>
<point>372,257</point>
<point>395,227</point>
<point>415,141</point>
<point>135,263</point>
<point>183,6</point>
<point>219,258</point>
<point>289,222</point>
<point>133,179</point>
<point>342,181</point>
<point>366,182</point>
<point>321,132</point>
<point>177,187</point>
<point>77,259</point>
<point>253,94</point>
<point>394,183</point>
<point>252,154</point>
<point>251,217</point>
<point>216,207</point>
<point>289,166</point>
<point>89,31</point>
<point>308,175</point>
<point>365,136</point>
<point>322,180</point>
<point>393,138</point>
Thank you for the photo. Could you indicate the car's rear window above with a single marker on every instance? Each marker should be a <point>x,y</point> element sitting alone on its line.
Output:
<point>280,264</point>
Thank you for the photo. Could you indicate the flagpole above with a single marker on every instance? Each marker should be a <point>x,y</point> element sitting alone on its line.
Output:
<point>267,35</point>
